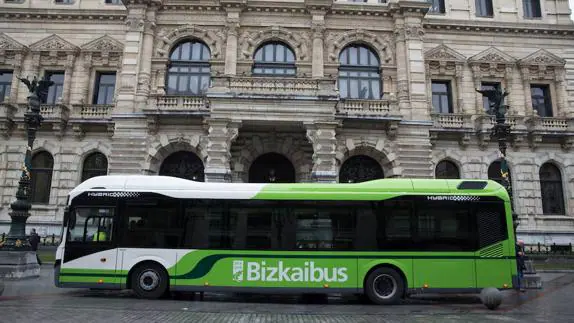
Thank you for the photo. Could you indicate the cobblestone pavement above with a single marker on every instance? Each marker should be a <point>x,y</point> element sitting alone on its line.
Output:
<point>38,301</point>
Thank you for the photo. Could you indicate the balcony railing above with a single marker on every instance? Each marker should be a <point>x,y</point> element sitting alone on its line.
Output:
<point>179,103</point>
<point>95,111</point>
<point>551,125</point>
<point>367,108</point>
<point>54,111</point>
<point>451,121</point>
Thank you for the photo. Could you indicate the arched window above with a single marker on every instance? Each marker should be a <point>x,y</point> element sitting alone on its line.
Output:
<point>183,164</point>
<point>95,164</point>
<point>359,169</point>
<point>494,173</point>
<point>551,190</point>
<point>271,168</point>
<point>446,170</point>
<point>274,59</point>
<point>188,70</point>
<point>359,76</point>
<point>41,173</point>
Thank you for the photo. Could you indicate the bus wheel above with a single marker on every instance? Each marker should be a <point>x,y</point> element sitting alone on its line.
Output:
<point>149,281</point>
<point>384,286</point>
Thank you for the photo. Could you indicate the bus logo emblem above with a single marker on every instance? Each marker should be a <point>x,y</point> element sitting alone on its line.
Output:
<point>238,270</point>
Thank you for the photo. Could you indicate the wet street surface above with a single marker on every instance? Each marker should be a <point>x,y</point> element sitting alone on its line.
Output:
<point>37,300</point>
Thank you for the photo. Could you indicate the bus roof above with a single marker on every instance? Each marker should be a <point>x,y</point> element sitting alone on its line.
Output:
<point>177,187</point>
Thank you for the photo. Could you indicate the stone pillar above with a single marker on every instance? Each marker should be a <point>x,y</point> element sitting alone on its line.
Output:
<point>322,136</point>
<point>508,79</point>
<point>69,74</point>
<point>220,134</point>
<point>144,76</point>
<point>561,93</point>
<point>402,71</point>
<point>17,71</point>
<point>459,75</point>
<point>318,27</point>
<point>528,110</point>
<point>477,78</point>
<point>128,77</point>
<point>232,28</point>
<point>87,72</point>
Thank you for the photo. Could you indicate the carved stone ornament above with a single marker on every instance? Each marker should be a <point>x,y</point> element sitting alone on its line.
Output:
<point>298,41</point>
<point>383,44</point>
<point>492,55</point>
<point>11,51</point>
<point>53,43</point>
<point>214,39</point>
<point>104,44</point>
<point>443,53</point>
<point>542,57</point>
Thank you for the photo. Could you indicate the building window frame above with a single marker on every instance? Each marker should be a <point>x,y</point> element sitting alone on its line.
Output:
<point>64,2</point>
<point>557,191</point>
<point>449,93</point>
<point>532,9</point>
<point>113,2</point>
<point>287,65</point>
<point>495,84</point>
<point>97,85</point>
<point>548,93</point>
<point>6,86</point>
<point>90,167</point>
<point>438,7</point>
<point>354,73</point>
<point>484,8</point>
<point>52,96</point>
<point>198,70</point>
<point>46,184</point>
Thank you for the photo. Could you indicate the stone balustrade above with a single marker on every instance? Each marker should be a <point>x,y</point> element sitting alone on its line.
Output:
<point>94,111</point>
<point>451,120</point>
<point>179,103</point>
<point>367,108</point>
<point>54,111</point>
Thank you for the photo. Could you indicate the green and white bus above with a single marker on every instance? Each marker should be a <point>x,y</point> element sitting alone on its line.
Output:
<point>387,238</point>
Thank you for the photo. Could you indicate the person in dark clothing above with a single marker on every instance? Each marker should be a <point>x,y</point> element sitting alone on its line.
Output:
<point>520,263</point>
<point>34,242</point>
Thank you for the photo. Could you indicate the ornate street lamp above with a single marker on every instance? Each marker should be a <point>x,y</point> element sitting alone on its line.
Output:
<point>16,240</point>
<point>501,131</point>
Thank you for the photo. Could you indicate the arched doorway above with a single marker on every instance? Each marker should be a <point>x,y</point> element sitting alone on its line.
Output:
<point>183,164</point>
<point>359,169</point>
<point>271,168</point>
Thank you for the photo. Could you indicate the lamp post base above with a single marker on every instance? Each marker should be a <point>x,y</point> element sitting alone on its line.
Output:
<point>16,265</point>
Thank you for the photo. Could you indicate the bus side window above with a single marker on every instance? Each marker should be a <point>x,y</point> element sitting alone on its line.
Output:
<point>91,222</point>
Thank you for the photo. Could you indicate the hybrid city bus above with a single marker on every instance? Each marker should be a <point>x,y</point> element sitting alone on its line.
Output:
<point>387,238</point>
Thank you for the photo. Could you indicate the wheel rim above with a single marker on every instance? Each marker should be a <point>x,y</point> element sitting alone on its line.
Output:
<point>149,280</point>
<point>385,286</point>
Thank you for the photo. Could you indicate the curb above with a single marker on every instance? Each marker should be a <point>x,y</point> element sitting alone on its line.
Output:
<point>555,271</point>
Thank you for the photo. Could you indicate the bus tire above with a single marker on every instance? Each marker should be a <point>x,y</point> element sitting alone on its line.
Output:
<point>384,286</point>
<point>149,281</point>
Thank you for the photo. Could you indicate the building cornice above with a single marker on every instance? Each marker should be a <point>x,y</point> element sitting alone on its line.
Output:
<point>31,14</point>
<point>498,27</point>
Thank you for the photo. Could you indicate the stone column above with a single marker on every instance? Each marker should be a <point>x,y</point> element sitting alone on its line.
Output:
<point>508,79</point>
<point>87,72</point>
<point>231,48</point>
<point>459,74</point>
<point>17,71</point>
<point>322,136</point>
<point>561,93</point>
<point>477,78</point>
<point>220,134</point>
<point>69,74</point>
<point>144,77</point>
<point>528,110</point>
<point>402,71</point>
<point>318,34</point>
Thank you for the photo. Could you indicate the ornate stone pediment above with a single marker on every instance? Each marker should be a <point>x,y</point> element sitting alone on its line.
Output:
<point>214,39</point>
<point>298,41</point>
<point>444,53</point>
<point>542,57</point>
<point>492,56</point>
<point>335,42</point>
<point>53,43</point>
<point>105,43</point>
<point>7,43</point>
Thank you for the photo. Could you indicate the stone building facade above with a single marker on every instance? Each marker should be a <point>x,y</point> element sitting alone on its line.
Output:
<point>291,91</point>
